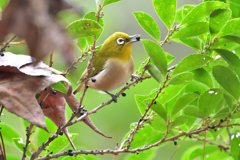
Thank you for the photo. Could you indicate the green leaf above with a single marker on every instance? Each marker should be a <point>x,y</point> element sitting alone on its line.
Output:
<point>148,24</point>
<point>18,142</point>
<point>166,10</point>
<point>231,58</point>
<point>186,9</point>
<point>3,3</point>
<point>234,6</point>
<point>182,102</point>
<point>179,121</point>
<point>82,43</point>
<point>8,132</point>
<point>160,110</point>
<point>107,2</point>
<point>60,143</point>
<point>170,92</point>
<point>91,16</point>
<point>83,28</point>
<point>139,99</point>
<point>59,86</point>
<point>202,10</point>
<point>228,100</point>
<point>201,75</point>
<point>146,155</point>
<point>142,137</point>
<point>193,111</point>
<point>208,100</point>
<point>178,17</point>
<point>169,57</point>
<point>181,78</point>
<point>196,87</point>
<point>227,79</point>
<point>158,123</point>
<point>223,113</point>
<point>193,42</point>
<point>155,73</point>
<point>218,19</point>
<point>231,28</point>
<point>191,62</point>
<point>191,30</point>
<point>156,54</point>
<point>235,147</point>
<point>232,38</point>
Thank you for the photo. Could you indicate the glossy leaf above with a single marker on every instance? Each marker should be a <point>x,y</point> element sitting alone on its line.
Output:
<point>181,78</point>
<point>182,102</point>
<point>170,92</point>
<point>201,75</point>
<point>160,110</point>
<point>202,10</point>
<point>193,111</point>
<point>179,121</point>
<point>196,87</point>
<point>234,6</point>
<point>209,100</point>
<point>191,30</point>
<point>155,73</point>
<point>227,79</point>
<point>193,42</point>
<point>231,28</point>
<point>107,2</point>
<point>229,100</point>
<point>156,54</point>
<point>218,19</point>
<point>191,62</point>
<point>139,99</point>
<point>148,24</point>
<point>158,123</point>
<point>82,43</point>
<point>83,28</point>
<point>235,147</point>
<point>18,142</point>
<point>166,10</point>
<point>186,9</point>
<point>231,58</point>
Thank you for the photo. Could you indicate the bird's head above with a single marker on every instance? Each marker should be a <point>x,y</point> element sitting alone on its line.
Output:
<point>119,45</point>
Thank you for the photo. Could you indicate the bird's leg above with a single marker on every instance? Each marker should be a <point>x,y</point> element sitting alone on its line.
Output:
<point>114,97</point>
<point>136,77</point>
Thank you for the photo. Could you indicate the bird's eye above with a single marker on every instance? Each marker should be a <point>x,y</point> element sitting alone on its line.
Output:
<point>120,41</point>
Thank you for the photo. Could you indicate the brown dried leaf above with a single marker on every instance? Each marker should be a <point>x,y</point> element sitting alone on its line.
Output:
<point>53,106</point>
<point>73,104</point>
<point>33,21</point>
<point>18,90</point>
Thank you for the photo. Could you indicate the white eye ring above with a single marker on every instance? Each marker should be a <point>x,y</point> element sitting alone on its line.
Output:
<point>120,41</point>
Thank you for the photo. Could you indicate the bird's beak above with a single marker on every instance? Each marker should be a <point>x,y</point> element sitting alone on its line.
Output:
<point>134,38</point>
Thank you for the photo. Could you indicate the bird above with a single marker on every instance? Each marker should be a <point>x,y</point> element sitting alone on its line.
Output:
<point>112,64</point>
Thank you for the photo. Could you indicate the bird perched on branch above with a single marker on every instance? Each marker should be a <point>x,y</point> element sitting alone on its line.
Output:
<point>112,65</point>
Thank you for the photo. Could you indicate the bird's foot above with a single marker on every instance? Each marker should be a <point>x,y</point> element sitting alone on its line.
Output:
<point>114,96</point>
<point>136,77</point>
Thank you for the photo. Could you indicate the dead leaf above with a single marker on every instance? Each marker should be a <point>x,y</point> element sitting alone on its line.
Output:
<point>33,21</point>
<point>54,106</point>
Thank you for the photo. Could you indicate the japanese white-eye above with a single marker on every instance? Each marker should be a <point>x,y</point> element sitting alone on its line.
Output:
<point>112,64</point>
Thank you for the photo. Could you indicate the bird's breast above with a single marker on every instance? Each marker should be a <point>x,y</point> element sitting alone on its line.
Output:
<point>114,75</point>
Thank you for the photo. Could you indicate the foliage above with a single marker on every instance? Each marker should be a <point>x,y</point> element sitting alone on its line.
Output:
<point>197,98</point>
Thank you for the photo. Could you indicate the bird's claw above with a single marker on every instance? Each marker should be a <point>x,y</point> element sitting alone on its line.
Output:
<point>136,77</point>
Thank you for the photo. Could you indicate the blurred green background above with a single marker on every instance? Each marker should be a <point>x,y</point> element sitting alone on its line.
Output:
<point>114,119</point>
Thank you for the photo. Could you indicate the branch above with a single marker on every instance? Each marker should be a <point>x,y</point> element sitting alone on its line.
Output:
<point>4,46</point>
<point>27,140</point>
<point>213,143</point>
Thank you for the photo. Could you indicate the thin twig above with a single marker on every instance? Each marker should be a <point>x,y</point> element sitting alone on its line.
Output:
<point>14,43</point>
<point>204,144</point>
<point>213,143</point>
<point>177,148</point>
<point>27,140</point>
<point>51,59</point>
<point>3,147</point>
<point>120,150</point>
<point>4,46</point>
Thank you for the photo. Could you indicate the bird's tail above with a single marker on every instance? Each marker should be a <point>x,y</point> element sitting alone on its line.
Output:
<point>79,88</point>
